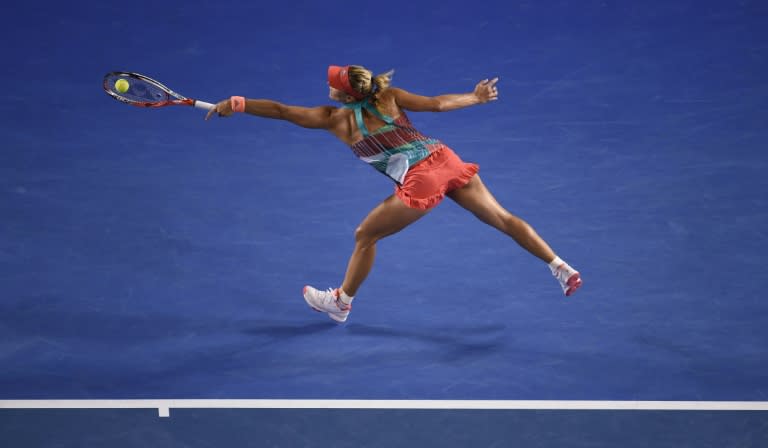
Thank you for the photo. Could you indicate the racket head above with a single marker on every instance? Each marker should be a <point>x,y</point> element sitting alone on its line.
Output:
<point>143,91</point>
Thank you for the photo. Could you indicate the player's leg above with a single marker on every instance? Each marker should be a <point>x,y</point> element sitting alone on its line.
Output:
<point>476,198</point>
<point>389,217</point>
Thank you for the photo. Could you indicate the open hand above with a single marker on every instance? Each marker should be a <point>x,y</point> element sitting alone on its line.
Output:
<point>486,90</point>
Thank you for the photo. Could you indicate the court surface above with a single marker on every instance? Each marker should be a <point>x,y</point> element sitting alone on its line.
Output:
<point>150,255</point>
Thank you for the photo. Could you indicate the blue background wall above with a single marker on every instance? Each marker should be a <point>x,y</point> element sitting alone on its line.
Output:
<point>147,253</point>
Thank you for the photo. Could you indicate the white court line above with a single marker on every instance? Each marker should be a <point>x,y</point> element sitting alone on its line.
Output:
<point>164,406</point>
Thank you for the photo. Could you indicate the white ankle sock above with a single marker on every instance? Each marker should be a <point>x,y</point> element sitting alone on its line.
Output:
<point>554,264</point>
<point>345,299</point>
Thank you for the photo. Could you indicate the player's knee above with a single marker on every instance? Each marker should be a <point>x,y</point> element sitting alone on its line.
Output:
<point>364,238</point>
<point>520,226</point>
<point>492,217</point>
<point>506,221</point>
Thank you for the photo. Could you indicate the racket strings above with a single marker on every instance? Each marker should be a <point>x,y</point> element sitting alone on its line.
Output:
<point>139,91</point>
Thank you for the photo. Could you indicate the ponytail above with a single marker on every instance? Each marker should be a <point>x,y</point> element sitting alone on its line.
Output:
<point>381,82</point>
<point>363,81</point>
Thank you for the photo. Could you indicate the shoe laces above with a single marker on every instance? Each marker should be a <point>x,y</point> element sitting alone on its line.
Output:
<point>328,295</point>
<point>336,299</point>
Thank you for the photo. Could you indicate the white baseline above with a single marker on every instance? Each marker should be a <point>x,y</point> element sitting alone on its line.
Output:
<point>164,405</point>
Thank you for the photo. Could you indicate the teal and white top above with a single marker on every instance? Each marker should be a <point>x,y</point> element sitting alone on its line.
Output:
<point>395,147</point>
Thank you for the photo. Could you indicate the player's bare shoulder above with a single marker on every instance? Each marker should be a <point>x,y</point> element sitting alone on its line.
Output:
<point>342,123</point>
<point>337,115</point>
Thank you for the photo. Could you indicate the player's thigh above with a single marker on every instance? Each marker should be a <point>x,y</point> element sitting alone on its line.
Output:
<point>475,197</point>
<point>389,217</point>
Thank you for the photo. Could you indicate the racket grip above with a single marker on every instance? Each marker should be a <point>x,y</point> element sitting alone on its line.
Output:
<point>204,105</point>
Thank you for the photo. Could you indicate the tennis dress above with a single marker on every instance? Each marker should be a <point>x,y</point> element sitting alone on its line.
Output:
<point>424,169</point>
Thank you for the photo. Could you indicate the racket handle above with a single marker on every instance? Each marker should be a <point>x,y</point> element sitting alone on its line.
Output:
<point>204,105</point>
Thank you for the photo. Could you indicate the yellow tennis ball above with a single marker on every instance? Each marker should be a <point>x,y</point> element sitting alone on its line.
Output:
<point>121,85</point>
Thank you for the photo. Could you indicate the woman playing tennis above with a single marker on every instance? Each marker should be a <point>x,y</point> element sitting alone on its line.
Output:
<point>372,121</point>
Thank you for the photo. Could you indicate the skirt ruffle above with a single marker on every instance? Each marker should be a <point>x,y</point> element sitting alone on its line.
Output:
<point>445,172</point>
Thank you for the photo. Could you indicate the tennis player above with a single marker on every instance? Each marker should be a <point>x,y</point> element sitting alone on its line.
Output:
<point>373,122</point>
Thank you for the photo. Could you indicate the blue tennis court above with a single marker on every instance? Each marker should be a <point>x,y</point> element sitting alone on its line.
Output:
<point>151,255</point>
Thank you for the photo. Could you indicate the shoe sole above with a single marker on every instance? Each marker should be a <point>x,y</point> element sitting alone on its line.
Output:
<point>574,282</point>
<point>332,316</point>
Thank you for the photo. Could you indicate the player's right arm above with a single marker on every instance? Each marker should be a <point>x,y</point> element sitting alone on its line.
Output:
<point>484,91</point>
<point>307,117</point>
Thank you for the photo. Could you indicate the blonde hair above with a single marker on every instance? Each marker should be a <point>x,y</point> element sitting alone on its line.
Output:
<point>362,80</point>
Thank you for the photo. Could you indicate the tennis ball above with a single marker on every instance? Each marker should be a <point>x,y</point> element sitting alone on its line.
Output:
<point>121,85</point>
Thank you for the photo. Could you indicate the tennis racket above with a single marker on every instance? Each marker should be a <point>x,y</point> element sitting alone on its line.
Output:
<point>144,91</point>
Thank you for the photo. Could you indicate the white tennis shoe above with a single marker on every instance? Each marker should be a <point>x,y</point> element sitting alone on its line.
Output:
<point>327,302</point>
<point>569,278</point>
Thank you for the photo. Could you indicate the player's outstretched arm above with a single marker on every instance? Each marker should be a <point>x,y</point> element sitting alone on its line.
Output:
<point>484,92</point>
<point>307,117</point>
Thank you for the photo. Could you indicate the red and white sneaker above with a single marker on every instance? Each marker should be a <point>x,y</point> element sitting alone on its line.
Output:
<point>569,278</point>
<point>327,302</point>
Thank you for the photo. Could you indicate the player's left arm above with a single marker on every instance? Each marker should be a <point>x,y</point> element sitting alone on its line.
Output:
<point>484,92</point>
<point>306,117</point>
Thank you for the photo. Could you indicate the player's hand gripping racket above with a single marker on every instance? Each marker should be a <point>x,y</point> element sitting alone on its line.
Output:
<point>142,91</point>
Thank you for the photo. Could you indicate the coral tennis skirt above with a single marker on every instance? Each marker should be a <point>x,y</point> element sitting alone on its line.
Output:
<point>427,182</point>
